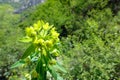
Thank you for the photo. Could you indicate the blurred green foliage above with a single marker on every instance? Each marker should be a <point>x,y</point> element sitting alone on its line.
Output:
<point>10,48</point>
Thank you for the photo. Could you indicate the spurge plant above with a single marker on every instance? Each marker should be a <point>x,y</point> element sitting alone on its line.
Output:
<point>42,53</point>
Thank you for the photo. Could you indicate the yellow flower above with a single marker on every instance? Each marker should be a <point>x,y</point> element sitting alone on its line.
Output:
<point>48,43</point>
<point>52,62</point>
<point>34,74</point>
<point>54,33</point>
<point>28,76</point>
<point>55,53</point>
<point>40,23</point>
<point>41,41</point>
<point>36,27</point>
<point>46,26</point>
<point>30,32</point>
<point>36,42</point>
<point>53,29</point>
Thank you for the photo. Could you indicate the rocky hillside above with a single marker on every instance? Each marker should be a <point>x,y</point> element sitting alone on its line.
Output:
<point>21,5</point>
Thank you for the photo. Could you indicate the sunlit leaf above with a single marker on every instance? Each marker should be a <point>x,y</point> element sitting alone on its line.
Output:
<point>60,67</point>
<point>18,63</point>
<point>26,39</point>
<point>53,72</point>
<point>28,51</point>
<point>59,77</point>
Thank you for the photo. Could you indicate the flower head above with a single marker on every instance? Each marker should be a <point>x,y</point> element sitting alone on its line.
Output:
<point>46,26</point>
<point>30,32</point>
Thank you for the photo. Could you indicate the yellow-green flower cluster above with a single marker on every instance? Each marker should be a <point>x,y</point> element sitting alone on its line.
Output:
<point>44,37</point>
<point>42,33</point>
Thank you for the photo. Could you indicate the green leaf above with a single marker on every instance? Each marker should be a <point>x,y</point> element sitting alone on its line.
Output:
<point>60,67</point>
<point>26,39</point>
<point>28,51</point>
<point>59,77</point>
<point>17,64</point>
<point>53,72</point>
<point>41,70</point>
<point>39,67</point>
